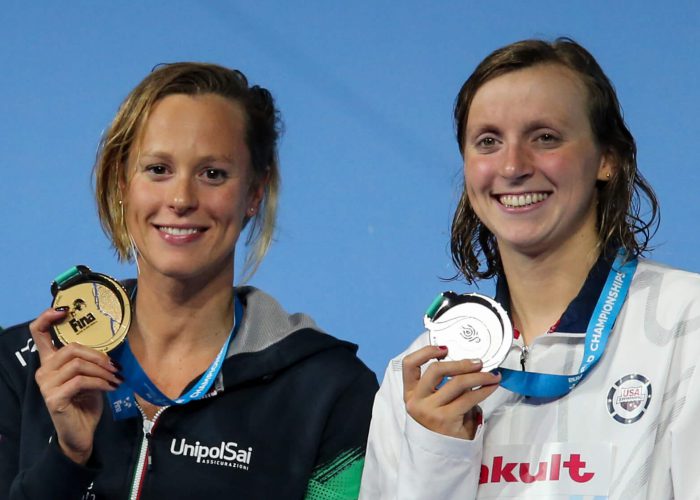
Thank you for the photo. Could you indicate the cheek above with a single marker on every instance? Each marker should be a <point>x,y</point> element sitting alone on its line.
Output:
<point>575,165</point>
<point>556,164</point>
<point>478,175</point>
<point>140,201</point>
<point>230,207</point>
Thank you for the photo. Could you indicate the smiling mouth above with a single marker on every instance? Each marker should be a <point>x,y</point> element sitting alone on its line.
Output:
<point>521,200</point>
<point>179,231</point>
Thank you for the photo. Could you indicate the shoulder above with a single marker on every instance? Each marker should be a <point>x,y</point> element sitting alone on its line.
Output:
<point>331,360</point>
<point>673,275</point>
<point>18,354</point>
<point>279,341</point>
<point>665,281</point>
<point>16,345</point>
<point>664,295</point>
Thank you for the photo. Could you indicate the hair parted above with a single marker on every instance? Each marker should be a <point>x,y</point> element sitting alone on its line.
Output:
<point>621,222</point>
<point>263,128</point>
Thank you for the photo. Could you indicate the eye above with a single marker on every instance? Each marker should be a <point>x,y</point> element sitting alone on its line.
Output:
<point>487,142</point>
<point>214,175</point>
<point>548,138</point>
<point>156,170</point>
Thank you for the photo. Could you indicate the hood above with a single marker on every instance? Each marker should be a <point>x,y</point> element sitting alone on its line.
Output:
<point>270,340</point>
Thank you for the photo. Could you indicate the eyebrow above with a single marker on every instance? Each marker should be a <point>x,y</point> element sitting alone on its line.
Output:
<point>167,156</point>
<point>531,126</point>
<point>481,129</point>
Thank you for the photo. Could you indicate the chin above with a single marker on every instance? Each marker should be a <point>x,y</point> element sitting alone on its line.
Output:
<point>181,270</point>
<point>526,245</point>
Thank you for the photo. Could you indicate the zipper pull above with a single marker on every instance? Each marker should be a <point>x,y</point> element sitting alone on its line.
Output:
<point>147,428</point>
<point>523,356</point>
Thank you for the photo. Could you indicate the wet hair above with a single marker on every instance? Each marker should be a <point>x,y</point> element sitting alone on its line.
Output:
<point>263,128</point>
<point>621,221</point>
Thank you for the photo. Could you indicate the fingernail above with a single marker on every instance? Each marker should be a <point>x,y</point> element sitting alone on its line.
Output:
<point>496,372</point>
<point>61,308</point>
<point>475,361</point>
<point>442,347</point>
<point>119,377</point>
<point>116,364</point>
<point>113,384</point>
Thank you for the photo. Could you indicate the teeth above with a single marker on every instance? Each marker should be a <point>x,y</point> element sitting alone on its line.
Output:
<point>178,231</point>
<point>522,200</point>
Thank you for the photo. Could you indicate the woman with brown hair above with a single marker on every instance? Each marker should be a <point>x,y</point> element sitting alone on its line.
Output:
<point>594,396</point>
<point>216,392</point>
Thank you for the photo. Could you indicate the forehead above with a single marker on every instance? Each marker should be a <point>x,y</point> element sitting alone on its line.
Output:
<point>195,113</point>
<point>544,89</point>
<point>197,125</point>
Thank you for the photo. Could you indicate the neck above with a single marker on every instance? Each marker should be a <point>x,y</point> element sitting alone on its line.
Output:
<point>174,316</point>
<point>542,286</point>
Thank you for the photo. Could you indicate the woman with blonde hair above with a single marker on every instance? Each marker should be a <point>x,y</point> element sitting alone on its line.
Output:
<point>216,391</point>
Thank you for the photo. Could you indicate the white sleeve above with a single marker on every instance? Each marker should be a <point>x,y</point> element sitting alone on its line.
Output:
<point>406,461</point>
<point>685,443</point>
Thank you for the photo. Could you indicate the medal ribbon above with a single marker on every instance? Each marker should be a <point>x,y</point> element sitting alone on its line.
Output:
<point>548,385</point>
<point>122,400</point>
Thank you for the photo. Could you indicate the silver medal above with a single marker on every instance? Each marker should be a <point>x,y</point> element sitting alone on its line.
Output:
<point>471,326</point>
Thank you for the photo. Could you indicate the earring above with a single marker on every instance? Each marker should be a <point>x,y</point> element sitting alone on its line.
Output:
<point>607,175</point>
<point>251,211</point>
<point>121,210</point>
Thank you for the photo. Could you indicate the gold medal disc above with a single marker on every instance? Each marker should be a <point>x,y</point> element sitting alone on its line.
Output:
<point>98,315</point>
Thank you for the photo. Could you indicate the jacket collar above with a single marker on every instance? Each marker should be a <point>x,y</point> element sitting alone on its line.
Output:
<point>579,311</point>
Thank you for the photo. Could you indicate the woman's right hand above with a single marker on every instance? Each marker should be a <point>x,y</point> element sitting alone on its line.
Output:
<point>72,380</point>
<point>451,409</point>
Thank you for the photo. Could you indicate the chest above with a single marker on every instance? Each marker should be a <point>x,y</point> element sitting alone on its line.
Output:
<point>612,432</point>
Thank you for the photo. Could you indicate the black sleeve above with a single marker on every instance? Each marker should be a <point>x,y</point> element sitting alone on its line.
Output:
<point>9,433</point>
<point>341,457</point>
<point>50,474</point>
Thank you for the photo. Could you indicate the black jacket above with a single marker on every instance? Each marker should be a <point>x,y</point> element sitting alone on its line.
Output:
<point>288,416</point>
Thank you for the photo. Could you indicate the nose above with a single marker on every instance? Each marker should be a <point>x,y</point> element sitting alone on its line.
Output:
<point>516,163</point>
<point>182,195</point>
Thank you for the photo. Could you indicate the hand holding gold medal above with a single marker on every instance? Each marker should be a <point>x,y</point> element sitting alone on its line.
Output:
<point>90,315</point>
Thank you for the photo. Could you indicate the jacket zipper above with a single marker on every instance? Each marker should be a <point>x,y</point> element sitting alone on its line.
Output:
<point>145,461</point>
<point>525,350</point>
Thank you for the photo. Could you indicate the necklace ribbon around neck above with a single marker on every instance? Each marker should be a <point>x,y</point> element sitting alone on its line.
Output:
<point>122,400</point>
<point>612,297</point>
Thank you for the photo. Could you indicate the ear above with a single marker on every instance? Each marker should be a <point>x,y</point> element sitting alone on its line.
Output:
<point>122,181</point>
<point>607,166</point>
<point>256,195</point>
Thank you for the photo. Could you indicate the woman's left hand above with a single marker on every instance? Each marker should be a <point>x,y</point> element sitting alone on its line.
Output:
<point>452,408</point>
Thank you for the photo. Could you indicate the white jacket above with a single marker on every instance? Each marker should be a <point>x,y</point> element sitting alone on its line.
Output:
<point>627,431</point>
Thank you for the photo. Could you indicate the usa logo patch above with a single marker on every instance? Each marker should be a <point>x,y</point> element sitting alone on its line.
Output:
<point>629,398</point>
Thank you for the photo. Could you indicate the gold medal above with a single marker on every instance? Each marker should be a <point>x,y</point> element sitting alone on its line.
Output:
<point>99,310</point>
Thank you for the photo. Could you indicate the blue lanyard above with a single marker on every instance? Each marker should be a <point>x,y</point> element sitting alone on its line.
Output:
<point>122,402</point>
<point>547,385</point>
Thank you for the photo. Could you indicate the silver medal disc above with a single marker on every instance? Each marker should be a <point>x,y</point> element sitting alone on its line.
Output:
<point>475,328</point>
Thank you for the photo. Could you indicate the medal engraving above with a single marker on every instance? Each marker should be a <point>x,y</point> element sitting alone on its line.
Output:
<point>471,326</point>
<point>99,312</point>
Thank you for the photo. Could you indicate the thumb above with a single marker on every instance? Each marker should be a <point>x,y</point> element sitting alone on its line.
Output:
<point>40,329</point>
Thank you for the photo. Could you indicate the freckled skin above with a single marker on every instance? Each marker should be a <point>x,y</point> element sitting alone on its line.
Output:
<point>528,131</point>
